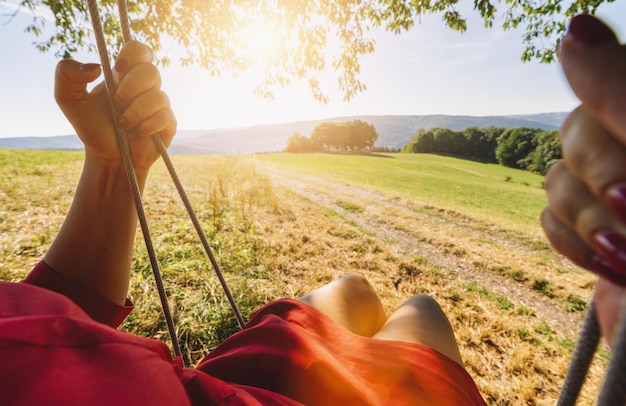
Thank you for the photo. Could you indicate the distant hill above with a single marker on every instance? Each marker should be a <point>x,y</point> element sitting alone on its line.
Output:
<point>394,132</point>
<point>58,142</point>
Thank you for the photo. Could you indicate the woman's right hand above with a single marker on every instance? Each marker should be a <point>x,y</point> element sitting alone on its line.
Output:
<point>585,218</point>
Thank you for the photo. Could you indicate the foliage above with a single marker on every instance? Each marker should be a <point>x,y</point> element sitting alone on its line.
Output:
<point>514,146</point>
<point>521,148</point>
<point>305,33</point>
<point>547,152</point>
<point>299,143</point>
<point>355,135</point>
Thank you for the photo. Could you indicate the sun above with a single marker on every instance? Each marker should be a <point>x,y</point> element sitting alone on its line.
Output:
<point>260,41</point>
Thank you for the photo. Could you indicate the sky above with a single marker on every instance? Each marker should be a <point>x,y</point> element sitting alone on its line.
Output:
<point>428,70</point>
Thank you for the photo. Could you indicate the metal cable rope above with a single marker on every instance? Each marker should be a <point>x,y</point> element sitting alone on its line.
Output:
<point>130,171</point>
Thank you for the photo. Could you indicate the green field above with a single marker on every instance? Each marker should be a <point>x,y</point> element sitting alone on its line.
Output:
<point>498,195</point>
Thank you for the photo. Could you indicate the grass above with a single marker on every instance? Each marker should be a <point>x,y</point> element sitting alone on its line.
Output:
<point>272,243</point>
<point>501,301</point>
<point>476,189</point>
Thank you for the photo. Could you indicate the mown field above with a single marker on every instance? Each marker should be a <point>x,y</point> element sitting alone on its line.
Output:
<point>464,232</point>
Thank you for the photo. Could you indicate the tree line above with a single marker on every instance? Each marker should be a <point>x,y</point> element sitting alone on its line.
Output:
<point>521,148</point>
<point>355,135</point>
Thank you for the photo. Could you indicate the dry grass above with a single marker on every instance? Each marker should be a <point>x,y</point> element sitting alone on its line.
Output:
<point>273,243</point>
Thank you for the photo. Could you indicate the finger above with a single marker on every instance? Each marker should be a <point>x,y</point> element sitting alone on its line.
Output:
<point>142,78</point>
<point>143,107</point>
<point>572,203</point>
<point>568,243</point>
<point>162,122</point>
<point>596,157</point>
<point>595,67</point>
<point>71,79</point>
<point>132,54</point>
<point>609,298</point>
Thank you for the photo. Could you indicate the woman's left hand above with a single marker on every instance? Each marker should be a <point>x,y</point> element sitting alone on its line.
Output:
<point>143,108</point>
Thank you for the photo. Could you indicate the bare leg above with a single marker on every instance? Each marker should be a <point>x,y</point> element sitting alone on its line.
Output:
<point>351,302</point>
<point>420,320</point>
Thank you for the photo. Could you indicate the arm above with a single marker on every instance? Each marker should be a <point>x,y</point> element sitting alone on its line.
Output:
<point>94,246</point>
<point>586,212</point>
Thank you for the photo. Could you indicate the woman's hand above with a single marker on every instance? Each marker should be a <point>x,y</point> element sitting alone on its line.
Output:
<point>586,212</point>
<point>94,247</point>
<point>143,108</point>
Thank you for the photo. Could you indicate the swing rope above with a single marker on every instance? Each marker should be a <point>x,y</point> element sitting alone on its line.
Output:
<point>581,359</point>
<point>132,178</point>
<point>613,390</point>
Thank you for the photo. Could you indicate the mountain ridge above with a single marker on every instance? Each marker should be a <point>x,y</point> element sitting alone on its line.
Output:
<point>394,132</point>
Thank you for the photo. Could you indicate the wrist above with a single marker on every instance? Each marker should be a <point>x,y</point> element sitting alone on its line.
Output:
<point>111,173</point>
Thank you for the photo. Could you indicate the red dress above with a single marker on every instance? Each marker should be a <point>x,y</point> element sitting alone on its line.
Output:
<point>61,351</point>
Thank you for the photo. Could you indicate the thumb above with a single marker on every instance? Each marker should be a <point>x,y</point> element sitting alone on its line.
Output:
<point>594,64</point>
<point>71,79</point>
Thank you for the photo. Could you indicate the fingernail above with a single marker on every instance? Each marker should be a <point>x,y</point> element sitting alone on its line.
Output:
<point>121,65</point>
<point>602,268</point>
<point>123,123</point>
<point>612,247</point>
<point>616,199</point>
<point>589,32</point>
<point>89,67</point>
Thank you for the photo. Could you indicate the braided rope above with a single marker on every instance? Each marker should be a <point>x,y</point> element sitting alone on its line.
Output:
<point>581,359</point>
<point>132,178</point>
<point>196,223</point>
<point>122,142</point>
<point>614,389</point>
<point>158,142</point>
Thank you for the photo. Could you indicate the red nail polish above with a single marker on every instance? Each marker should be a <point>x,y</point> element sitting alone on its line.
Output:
<point>612,247</point>
<point>89,67</point>
<point>616,200</point>
<point>123,123</point>
<point>601,267</point>
<point>589,32</point>
<point>121,65</point>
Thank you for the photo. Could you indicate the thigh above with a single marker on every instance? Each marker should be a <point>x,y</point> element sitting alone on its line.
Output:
<point>351,302</point>
<point>420,320</point>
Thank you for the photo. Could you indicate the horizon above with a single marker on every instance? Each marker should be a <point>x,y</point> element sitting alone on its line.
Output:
<point>185,130</point>
<point>430,70</point>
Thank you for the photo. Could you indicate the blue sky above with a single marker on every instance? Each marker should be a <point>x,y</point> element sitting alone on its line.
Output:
<point>429,70</point>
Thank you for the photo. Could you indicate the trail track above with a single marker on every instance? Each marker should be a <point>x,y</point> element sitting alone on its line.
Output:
<point>386,217</point>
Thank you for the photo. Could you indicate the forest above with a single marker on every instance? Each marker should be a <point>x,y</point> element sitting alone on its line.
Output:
<point>355,135</point>
<point>528,149</point>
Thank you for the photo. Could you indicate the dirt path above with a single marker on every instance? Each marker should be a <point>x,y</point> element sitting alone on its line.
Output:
<point>383,216</point>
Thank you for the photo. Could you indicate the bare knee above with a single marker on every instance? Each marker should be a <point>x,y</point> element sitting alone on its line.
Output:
<point>356,283</point>
<point>426,303</point>
<point>352,302</point>
<point>421,320</point>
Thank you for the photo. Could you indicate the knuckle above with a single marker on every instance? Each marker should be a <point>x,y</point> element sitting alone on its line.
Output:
<point>554,172</point>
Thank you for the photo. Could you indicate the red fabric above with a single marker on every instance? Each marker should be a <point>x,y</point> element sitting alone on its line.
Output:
<point>53,352</point>
<point>291,348</point>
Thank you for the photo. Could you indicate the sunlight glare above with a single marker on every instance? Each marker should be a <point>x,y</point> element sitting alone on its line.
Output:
<point>260,41</point>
